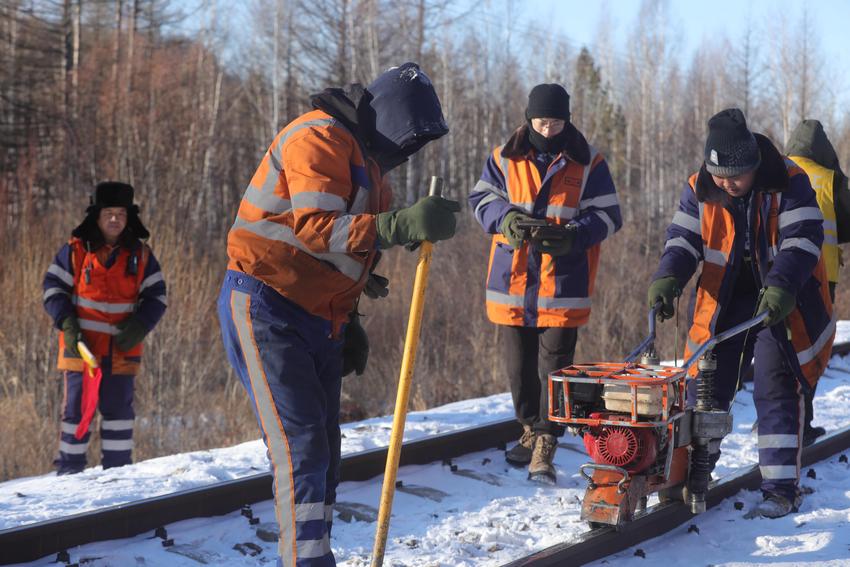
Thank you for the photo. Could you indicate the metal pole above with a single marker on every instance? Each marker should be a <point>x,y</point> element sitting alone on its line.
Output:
<point>405,376</point>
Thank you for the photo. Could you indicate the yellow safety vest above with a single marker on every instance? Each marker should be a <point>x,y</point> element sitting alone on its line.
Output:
<point>822,180</point>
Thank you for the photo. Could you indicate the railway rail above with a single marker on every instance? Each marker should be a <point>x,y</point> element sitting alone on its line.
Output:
<point>33,541</point>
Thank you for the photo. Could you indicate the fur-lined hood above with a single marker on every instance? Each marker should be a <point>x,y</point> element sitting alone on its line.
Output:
<point>771,176</point>
<point>575,147</point>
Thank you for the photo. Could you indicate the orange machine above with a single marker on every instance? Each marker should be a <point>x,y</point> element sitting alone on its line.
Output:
<point>638,430</point>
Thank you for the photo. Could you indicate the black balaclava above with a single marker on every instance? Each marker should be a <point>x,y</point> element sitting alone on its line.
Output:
<point>548,101</point>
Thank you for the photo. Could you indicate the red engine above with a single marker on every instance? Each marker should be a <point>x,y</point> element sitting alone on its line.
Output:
<point>631,448</point>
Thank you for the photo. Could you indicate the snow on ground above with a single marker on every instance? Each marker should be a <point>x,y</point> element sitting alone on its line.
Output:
<point>484,513</point>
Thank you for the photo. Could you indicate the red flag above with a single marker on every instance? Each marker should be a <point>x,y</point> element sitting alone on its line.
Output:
<point>91,394</point>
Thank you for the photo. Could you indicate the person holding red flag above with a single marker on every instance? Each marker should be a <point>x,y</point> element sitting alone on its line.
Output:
<point>105,292</point>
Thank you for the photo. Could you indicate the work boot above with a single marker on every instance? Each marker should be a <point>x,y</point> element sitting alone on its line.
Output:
<point>775,506</point>
<point>541,468</point>
<point>520,454</point>
<point>810,434</point>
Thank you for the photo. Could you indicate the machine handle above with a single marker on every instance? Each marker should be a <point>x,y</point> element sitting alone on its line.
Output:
<point>728,333</point>
<point>650,339</point>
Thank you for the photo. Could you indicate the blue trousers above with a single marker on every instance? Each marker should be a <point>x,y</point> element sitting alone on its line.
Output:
<point>777,395</point>
<point>116,425</point>
<point>291,368</point>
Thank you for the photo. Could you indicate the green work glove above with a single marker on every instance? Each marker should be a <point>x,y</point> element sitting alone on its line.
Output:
<point>510,230</point>
<point>73,334</point>
<point>355,348</point>
<point>430,218</point>
<point>779,302</point>
<point>376,286</point>
<point>665,290</point>
<point>131,333</point>
<point>558,246</point>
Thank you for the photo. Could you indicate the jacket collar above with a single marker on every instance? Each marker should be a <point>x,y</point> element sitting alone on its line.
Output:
<point>575,148</point>
<point>771,176</point>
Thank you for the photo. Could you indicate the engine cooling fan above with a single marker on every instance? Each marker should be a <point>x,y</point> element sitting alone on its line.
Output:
<point>631,448</point>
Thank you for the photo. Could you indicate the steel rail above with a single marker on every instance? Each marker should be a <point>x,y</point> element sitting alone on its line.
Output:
<point>663,518</point>
<point>33,541</point>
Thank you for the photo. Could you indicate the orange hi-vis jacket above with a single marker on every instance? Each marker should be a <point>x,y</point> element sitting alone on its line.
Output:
<point>104,297</point>
<point>532,289</point>
<point>306,223</point>
<point>786,235</point>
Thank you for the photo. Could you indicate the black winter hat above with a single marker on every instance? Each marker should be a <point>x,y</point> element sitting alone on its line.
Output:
<point>112,194</point>
<point>730,148</point>
<point>548,101</point>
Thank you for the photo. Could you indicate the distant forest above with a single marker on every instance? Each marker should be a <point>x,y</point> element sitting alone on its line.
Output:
<point>183,107</point>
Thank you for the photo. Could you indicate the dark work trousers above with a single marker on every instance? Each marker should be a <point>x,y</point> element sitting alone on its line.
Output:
<point>116,425</point>
<point>532,353</point>
<point>810,396</point>
<point>291,369</point>
<point>777,394</point>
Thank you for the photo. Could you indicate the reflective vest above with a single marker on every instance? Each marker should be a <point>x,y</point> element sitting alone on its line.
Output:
<point>822,180</point>
<point>306,224</point>
<point>558,289</point>
<point>811,335</point>
<point>102,298</point>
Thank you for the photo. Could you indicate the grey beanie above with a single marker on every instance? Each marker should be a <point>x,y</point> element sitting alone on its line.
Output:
<point>730,148</point>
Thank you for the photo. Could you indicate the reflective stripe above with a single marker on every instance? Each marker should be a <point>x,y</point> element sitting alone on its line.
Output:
<point>269,202</point>
<point>774,251</point>
<point>73,448</point>
<point>116,444</point>
<point>682,243</point>
<point>150,280</point>
<point>278,445</point>
<point>830,225</point>
<point>116,424</point>
<point>98,326</point>
<point>487,199</point>
<point>830,240</point>
<point>602,201</point>
<point>563,302</point>
<point>490,188</point>
<point>560,212</point>
<point>586,172</point>
<point>275,231</point>
<point>71,428</point>
<point>309,511</point>
<point>609,224</point>
<point>50,292</point>
<point>807,355</point>
<point>717,257</point>
<point>687,222</point>
<point>798,215</point>
<point>61,274</point>
<point>318,200</point>
<point>329,512</point>
<point>778,472</point>
<point>527,207</point>
<point>505,299</point>
<point>778,441</point>
<point>802,244</point>
<point>313,548</point>
<point>102,306</point>
<point>361,201</point>
<point>339,234</point>
<point>162,299</point>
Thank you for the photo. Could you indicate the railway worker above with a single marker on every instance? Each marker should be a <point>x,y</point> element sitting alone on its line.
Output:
<point>809,148</point>
<point>539,290</point>
<point>307,233</point>
<point>751,217</point>
<point>105,289</point>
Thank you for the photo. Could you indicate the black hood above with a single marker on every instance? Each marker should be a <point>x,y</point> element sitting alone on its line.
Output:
<point>809,140</point>
<point>771,175</point>
<point>351,107</point>
<point>574,144</point>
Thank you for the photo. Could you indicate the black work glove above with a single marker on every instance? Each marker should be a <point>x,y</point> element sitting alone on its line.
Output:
<point>509,228</point>
<point>430,218</point>
<point>665,290</point>
<point>376,286</point>
<point>355,348</point>
<point>558,246</point>
<point>780,302</point>
<point>73,334</point>
<point>131,333</point>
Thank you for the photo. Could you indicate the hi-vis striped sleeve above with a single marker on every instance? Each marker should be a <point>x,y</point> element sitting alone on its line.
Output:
<point>599,209</point>
<point>152,294</point>
<point>58,286</point>
<point>684,247</point>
